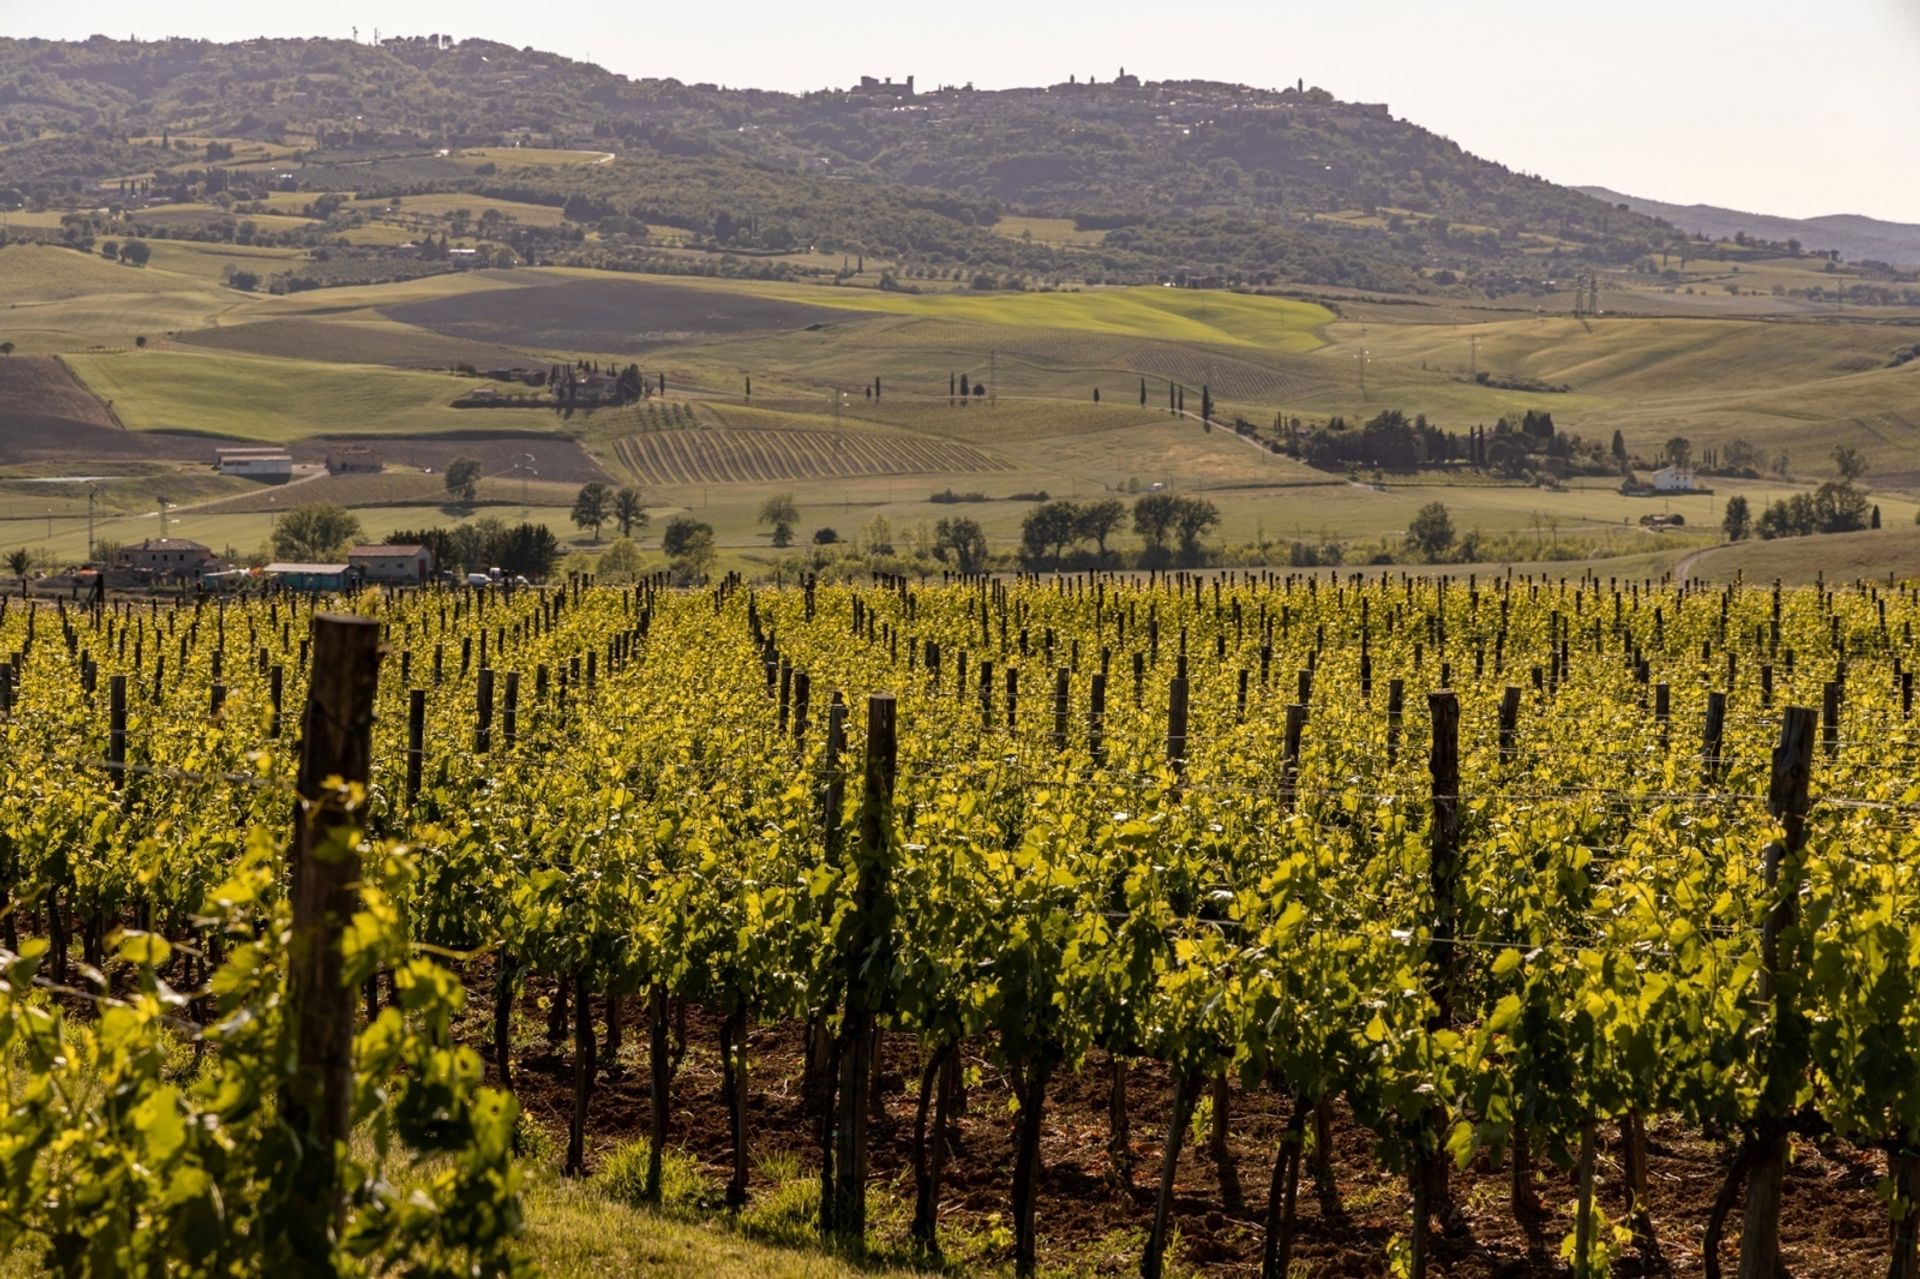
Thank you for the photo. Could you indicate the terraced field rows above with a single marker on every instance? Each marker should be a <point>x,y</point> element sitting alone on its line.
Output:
<point>724,456</point>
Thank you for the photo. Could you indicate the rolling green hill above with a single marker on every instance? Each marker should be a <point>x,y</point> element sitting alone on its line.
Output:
<point>1188,178</point>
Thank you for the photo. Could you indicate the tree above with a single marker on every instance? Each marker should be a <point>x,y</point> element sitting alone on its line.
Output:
<point>1839,507</point>
<point>1737,524</point>
<point>877,536</point>
<point>1153,516</point>
<point>1193,516</point>
<point>593,507</point>
<point>1508,454</point>
<point>319,532</point>
<point>530,550</point>
<point>6,348</point>
<point>18,563</point>
<point>1875,521</point>
<point>963,540</point>
<point>1049,525</point>
<point>1620,450</point>
<point>1849,462</point>
<point>141,342</point>
<point>135,252</point>
<point>689,546</point>
<point>463,479</point>
<point>1740,457</point>
<point>1101,520</point>
<point>629,512</point>
<point>1679,451</point>
<point>1431,531</point>
<point>780,511</point>
<point>620,562</point>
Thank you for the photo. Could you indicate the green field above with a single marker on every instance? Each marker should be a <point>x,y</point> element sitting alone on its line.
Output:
<point>1060,231</point>
<point>537,157</point>
<point>1781,385</point>
<point>1164,315</point>
<point>281,400</point>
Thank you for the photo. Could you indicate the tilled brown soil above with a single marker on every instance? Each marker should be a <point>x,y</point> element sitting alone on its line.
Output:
<point>623,316</point>
<point>1833,1223</point>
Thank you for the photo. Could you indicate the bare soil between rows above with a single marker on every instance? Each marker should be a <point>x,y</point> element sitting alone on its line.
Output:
<point>1833,1222</point>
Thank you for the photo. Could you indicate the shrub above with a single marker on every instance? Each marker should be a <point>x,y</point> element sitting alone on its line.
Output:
<point>623,1177</point>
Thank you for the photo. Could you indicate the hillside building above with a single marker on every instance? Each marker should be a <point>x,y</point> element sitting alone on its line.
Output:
<point>1673,479</point>
<point>392,565</point>
<point>259,464</point>
<point>166,557</point>
<point>352,459</point>
<point>313,578</point>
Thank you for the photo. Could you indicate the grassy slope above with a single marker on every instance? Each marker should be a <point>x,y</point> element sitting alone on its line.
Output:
<point>1840,557</point>
<point>61,300</point>
<point>1802,387</point>
<point>279,400</point>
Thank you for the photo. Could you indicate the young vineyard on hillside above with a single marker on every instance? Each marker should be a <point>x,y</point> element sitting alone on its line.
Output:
<point>1500,872</point>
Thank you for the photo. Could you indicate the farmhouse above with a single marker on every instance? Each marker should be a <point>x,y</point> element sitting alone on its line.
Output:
<point>259,464</point>
<point>352,459</point>
<point>170,556</point>
<point>392,565</point>
<point>1673,479</point>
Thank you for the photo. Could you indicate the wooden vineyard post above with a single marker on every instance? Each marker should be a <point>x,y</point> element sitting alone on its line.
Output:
<point>1430,1193</point>
<point>1290,753</point>
<point>416,739</point>
<point>1177,724</point>
<point>1184,1081</point>
<point>1509,721</point>
<point>117,729</point>
<point>1060,693</point>
<point>483,712</point>
<point>867,949</point>
<point>336,741</point>
<point>1396,708</point>
<point>836,790</point>
<point>822,1065</point>
<point>1787,800</point>
<point>510,713</point>
<point>1097,720</point>
<point>1711,737</point>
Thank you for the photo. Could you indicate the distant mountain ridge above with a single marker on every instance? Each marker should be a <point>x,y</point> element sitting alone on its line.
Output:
<point>1855,237</point>
<point>1170,181</point>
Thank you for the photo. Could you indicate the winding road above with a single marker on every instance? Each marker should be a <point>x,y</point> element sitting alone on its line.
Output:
<point>1685,566</point>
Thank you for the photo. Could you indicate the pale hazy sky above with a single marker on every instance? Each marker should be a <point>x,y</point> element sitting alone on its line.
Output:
<point>1772,106</point>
